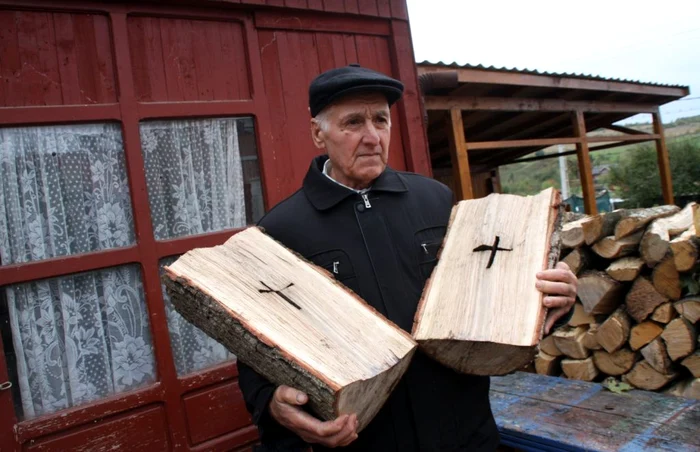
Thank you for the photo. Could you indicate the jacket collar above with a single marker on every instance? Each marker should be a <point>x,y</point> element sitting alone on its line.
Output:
<point>324,193</point>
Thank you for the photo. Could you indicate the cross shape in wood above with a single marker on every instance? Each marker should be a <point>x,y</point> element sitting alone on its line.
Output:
<point>493,248</point>
<point>279,292</point>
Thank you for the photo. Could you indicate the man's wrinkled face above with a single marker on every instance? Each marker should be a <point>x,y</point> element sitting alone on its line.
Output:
<point>355,133</point>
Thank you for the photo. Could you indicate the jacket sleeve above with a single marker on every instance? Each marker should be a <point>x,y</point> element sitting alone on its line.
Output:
<point>257,393</point>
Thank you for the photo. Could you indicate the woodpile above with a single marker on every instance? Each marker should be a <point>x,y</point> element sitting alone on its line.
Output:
<point>639,291</point>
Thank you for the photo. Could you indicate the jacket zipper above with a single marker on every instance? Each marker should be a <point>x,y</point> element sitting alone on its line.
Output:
<point>365,198</point>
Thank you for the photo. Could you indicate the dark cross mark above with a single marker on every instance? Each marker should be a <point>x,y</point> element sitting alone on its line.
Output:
<point>493,248</point>
<point>279,292</point>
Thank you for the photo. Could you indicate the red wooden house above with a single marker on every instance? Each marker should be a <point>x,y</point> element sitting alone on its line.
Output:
<point>131,132</point>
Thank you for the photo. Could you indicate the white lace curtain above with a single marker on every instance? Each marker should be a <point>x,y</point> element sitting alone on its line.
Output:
<point>64,190</point>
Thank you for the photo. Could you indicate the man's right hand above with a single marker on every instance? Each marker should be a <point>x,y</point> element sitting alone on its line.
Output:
<point>285,408</point>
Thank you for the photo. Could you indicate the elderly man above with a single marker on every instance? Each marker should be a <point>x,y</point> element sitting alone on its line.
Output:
<point>370,226</point>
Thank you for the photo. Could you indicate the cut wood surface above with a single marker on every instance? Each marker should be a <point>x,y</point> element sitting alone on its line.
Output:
<point>642,299</point>
<point>589,340</point>
<point>569,340</point>
<point>598,226</point>
<point>696,217</point>
<point>615,331</point>
<point>666,279</point>
<point>686,250</point>
<point>643,376</point>
<point>460,321</point>
<point>689,308</point>
<point>637,219</point>
<point>292,323</point>
<point>547,364</point>
<point>692,363</point>
<point>580,316</point>
<point>625,269</point>
<point>611,248</point>
<point>657,356</point>
<point>643,333</point>
<point>599,293</point>
<point>578,259</point>
<point>548,346</point>
<point>664,313</point>
<point>689,389</point>
<point>615,364</point>
<point>680,338</point>
<point>572,233</point>
<point>657,237</point>
<point>579,369</point>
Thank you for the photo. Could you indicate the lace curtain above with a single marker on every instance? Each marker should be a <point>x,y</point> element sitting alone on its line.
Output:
<point>64,190</point>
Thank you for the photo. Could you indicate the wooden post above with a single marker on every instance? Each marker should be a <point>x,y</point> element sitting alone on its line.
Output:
<point>584,164</point>
<point>662,155</point>
<point>460,159</point>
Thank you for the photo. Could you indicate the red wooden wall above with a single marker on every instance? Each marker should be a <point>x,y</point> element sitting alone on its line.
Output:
<point>82,61</point>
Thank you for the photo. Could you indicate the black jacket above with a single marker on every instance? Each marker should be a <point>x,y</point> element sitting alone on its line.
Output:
<point>384,250</point>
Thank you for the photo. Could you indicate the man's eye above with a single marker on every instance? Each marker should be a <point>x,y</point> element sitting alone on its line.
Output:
<point>355,122</point>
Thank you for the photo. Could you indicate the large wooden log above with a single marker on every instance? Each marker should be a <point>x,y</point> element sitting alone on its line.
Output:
<point>292,323</point>
<point>643,376</point>
<point>459,321</point>
<point>696,217</point>
<point>570,342</point>
<point>680,338</point>
<point>689,308</point>
<point>666,279</point>
<point>642,299</point>
<point>615,331</point>
<point>637,219</point>
<point>548,346</point>
<point>579,369</point>
<point>656,240</point>
<point>643,333</point>
<point>598,226</point>
<point>547,364</point>
<point>599,293</point>
<point>657,356</point>
<point>617,363</point>
<point>625,269</point>
<point>686,250</point>
<point>572,233</point>
<point>664,313</point>
<point>611,248</point>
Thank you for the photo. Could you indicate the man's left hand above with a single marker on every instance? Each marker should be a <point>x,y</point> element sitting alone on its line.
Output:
<point>560,286</point>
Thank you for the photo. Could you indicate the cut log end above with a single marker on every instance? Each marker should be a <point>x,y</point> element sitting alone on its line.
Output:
<point>614,332</point>
<point>642,299</point>
<point>599,293</point>
<point>579,369</point>
<point>689,308</point>
<point>547,364</point>
<point>570,342</point>
<point>680,338</point>
<point>478,358</point>
<point>625,269</point>
<point>617,363</point>
<point>643,376</point>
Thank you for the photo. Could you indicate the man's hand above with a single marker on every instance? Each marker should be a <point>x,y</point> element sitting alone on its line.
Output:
<point>560,286</point>
<point>285,408</point>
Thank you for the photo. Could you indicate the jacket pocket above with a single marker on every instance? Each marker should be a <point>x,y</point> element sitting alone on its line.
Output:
<point>337,263</point>
<point>427,243</point>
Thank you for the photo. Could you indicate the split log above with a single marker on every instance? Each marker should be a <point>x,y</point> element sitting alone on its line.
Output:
<point>637,219</point>
<point>617,363</point>
<point>598,226</point>
<point>656,239</point>
<point>291,323</point>
<point>643,376</point>
<point>580,317</point>
<point>689,308</point>
<point>611,248</point>
<point>578,260</point>
<point>599,293</point>
<point>459,319</point>
<point>589,339</point>
<point>547,364</point>
<point>643,333</point>
<point>579,369</point>
<point>656,354</point>
<point>664,313</point>
<point>666,279</point>
<point>615,331</point>
<point>642,299</point>
<point>690,389</point>
<point>686,250</point>
<point>570,342</point>
<point>692,363</point>
<point>572,233</point>
<point>548,346</point>
<point>680,338</point>
<point>696,217</point>
<point>625,269</point>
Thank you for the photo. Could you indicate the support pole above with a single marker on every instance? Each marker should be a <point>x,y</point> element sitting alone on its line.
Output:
<point>460,159</point>
<point>662,156</point>
<point>584,164</point>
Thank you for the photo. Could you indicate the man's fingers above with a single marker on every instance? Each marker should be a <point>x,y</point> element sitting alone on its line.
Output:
<point>556,288</point>
<point>345,436</point>
<point>331,428</point>
<point>286,394</point>
<point>562,266</point>
<point>557,274</point>
<point>558,302</point>
<point>552,317</point>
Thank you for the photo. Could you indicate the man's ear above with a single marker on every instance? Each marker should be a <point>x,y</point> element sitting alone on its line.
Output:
<point>317,134</point>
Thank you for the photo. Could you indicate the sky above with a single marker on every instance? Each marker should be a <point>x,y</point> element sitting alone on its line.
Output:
<point>636,40</point>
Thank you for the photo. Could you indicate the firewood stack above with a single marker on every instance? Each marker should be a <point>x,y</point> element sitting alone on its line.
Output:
<point>639,284</point>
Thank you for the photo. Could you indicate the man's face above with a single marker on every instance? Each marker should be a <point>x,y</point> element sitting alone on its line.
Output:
<point>356,138</point>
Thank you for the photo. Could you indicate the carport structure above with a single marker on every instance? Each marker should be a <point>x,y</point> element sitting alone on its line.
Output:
<point>479,118</point>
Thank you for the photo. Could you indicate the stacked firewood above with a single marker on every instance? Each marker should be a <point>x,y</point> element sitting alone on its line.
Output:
<point>637,318</point>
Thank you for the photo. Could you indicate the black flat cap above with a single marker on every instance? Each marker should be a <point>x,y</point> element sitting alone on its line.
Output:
<point>338,82</point>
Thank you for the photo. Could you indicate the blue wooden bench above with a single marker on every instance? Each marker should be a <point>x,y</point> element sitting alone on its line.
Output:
<point>539,413</point>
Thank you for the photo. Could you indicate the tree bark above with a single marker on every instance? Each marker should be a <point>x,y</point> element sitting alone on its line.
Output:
<point>642,299</point>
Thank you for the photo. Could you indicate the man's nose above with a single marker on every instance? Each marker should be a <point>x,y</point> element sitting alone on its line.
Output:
<point>371,135</point>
